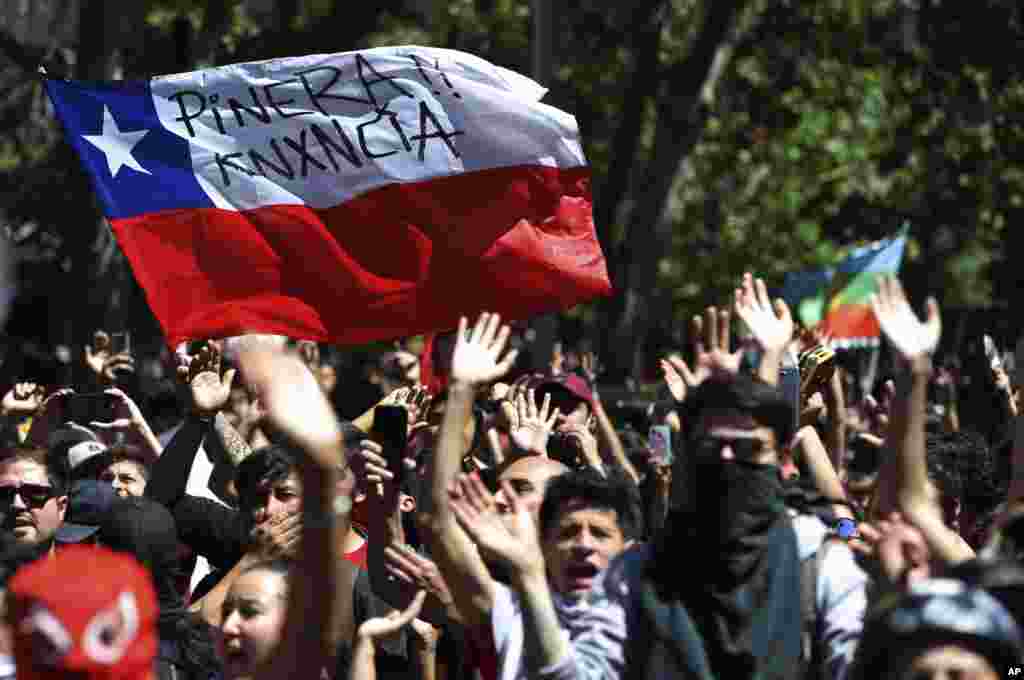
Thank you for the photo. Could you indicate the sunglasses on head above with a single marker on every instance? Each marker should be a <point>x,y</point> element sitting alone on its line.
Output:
<point>34,495</point>
<point>742,448</point>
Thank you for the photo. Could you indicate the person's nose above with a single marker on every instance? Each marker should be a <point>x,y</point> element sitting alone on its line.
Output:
<point>18,503</point>
<point>230,626</point>
<point>274,507</point>
<point>586,542</point>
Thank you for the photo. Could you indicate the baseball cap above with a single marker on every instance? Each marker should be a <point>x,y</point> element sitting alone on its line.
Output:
<point>74,445</point>
<point>572,383</point>
<point>89,503</point>
<point>102,626</point>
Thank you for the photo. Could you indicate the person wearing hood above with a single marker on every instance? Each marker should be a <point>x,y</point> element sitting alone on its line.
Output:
<point>145,529</point>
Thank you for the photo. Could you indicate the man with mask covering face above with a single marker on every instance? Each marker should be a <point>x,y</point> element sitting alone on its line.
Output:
<point>734,610</point>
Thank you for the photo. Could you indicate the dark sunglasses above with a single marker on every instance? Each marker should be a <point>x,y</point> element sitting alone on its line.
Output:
<point>34,495</point>
<point>711,447</point>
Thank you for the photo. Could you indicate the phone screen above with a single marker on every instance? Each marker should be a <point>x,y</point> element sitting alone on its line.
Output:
<point>659,438</point>
<point>390,428</point>
<point>86,408</point>
<point>121,343</point>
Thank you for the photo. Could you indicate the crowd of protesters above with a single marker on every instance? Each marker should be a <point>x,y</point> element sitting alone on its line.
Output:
<point>488,522</point>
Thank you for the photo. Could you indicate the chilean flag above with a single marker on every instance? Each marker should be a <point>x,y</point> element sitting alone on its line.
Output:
<point>343,198</point>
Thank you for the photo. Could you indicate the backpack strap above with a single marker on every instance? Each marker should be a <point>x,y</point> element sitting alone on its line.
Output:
<point>810,573</point>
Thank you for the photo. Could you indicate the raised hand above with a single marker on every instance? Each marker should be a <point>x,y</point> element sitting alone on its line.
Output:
<point>294,402</point>
<point>770,324</point>
<point>414,569</point>
<point>710,335</point>
<point>52,414</point>
<point>877,414</point>
<point>383,626</point>
<point>911,337</point>
<point>426,636</point>
<point>477,357</point>
<point>416,400</point>
<point>677,376</point>
<point>585,443</point>
<point>103,363</point>
<point>278,537</point>
<point>662,477</point>
<point>97,354</point>
<point>511,540</point>
<point>591,367</point>
<point>127,415</point>
<point>209,390</point>
<point>375,471</point>
<point>530,427</point>
<point>24,399</point>
<point>893,551</point>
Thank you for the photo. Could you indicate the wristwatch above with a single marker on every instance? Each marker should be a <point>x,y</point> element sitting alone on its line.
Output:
<point>846,528</point>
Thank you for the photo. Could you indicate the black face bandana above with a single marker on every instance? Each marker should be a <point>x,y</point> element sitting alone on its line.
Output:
<point>733,501</point>
<point>741,590</point>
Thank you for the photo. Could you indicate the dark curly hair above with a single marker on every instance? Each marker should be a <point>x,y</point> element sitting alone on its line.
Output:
<point>965,468</point>
<point>265,465</point>
<point>984,471</point>
<point>595,492</point>
<point>945,470</point>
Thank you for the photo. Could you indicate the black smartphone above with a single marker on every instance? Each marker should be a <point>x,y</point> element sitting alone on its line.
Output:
<point>390,430</point>
<point>121,343</point>
<point>86,408</point>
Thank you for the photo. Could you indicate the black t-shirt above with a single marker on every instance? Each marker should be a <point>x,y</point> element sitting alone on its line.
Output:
<point>394,655</point>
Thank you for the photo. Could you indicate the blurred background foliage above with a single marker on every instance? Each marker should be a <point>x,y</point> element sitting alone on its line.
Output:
<point>763,135</point>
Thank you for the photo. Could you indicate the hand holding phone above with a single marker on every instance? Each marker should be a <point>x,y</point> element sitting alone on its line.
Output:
<point>816,368</point>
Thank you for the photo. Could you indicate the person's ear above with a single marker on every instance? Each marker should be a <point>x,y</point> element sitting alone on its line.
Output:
<point>406,503</point>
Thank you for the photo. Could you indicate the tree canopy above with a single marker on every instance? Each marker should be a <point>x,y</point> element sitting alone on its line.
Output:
<point>763,135</point>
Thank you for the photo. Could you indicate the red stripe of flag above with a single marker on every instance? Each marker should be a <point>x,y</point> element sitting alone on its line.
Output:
<point>397,261</point>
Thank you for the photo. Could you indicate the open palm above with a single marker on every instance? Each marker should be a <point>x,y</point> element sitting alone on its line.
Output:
<point>512,540</point>
<point>477,358</point>
<point>770,323</point>
<point>909,336</point>
<point>530,427</point>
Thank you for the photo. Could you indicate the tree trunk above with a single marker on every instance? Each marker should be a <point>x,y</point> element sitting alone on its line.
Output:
<point>81,230</point>
<point>681,117</point>
<point>643,83</point>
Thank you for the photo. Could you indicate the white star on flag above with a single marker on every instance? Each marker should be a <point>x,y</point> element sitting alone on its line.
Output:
<point>117,145</point>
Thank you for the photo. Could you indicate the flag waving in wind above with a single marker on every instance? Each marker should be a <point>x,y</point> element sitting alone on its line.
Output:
<point>343,198</point>
<point>838,299</point>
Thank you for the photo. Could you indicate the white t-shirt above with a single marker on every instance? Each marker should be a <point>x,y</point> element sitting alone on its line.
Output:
<point>841,595</point>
